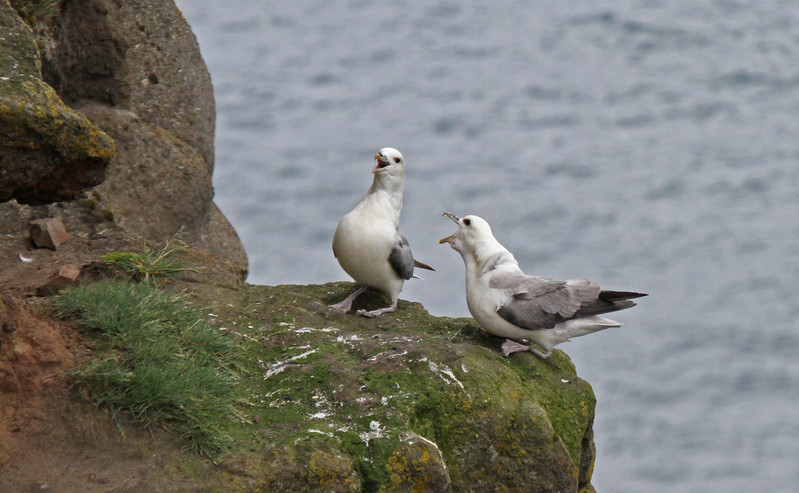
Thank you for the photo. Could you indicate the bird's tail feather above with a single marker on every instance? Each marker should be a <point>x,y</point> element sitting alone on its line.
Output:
<point>619,295</point>
<point>581,326</point>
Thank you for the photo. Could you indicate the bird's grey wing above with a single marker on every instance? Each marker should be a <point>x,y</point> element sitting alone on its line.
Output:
<point>401,258</point>
<point>519,284</point>
<point>539,302</point>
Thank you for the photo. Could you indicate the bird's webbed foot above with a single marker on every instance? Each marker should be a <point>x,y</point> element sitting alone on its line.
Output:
<point>378,312</point>
<point>510,346</point>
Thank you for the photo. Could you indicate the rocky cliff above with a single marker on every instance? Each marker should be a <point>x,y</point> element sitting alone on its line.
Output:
<point>106,123</point>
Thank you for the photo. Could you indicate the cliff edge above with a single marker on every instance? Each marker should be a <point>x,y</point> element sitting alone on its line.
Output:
<point>107,116</point>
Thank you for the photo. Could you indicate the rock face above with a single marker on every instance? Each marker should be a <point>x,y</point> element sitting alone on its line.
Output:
<point>134,70</point>
<point>48,151</point>
<point>138,56</point>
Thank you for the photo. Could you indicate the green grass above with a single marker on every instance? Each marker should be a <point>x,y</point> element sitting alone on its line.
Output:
<point>150,264</point>
<point>156,360</point>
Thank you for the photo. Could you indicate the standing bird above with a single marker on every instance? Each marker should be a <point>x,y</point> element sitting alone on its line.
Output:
<point>368,243</point>
<point>507,303</point>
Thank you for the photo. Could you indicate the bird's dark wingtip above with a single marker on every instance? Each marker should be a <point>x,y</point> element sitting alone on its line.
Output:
<point>422,265</point>
<point>620,295</point>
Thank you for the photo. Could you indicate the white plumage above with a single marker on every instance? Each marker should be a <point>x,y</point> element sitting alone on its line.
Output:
<point>508,303</point>
<point>368,243</point>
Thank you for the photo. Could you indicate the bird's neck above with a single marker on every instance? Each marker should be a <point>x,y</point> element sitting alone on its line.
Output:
<point>383,204</point>
<point>388,193</point>
<point>489,254</point>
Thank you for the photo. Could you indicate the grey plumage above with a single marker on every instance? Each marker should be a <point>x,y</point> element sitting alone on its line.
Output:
<point>401,258</point>
<point>541,303</point>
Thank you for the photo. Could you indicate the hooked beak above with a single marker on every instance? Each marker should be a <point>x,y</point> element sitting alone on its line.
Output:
<point>450,238</point>
<point>381,162</point>
<point>451,216</point>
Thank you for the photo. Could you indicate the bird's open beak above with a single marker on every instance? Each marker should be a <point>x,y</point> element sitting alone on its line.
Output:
<point>451,216</point>
<point>450,238</point>
<point>381,162</point>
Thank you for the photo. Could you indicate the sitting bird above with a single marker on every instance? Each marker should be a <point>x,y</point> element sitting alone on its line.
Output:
<point>368,243</point>
<point>523,309</point>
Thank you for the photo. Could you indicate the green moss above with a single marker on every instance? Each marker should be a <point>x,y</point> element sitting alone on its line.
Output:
<point>19,55</point>
<point>334,399</point>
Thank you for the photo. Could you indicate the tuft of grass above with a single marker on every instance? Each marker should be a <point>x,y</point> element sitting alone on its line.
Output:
<point>150,264</point>
<point>157,360</point>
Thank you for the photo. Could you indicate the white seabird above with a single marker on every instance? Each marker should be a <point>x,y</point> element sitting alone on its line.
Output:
<point>506,302</point>
<point>368,243</point>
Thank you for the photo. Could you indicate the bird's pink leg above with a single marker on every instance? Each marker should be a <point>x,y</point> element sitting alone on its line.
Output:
<point>378,312</point>
<point>346,304</point>
<point>510,346</point>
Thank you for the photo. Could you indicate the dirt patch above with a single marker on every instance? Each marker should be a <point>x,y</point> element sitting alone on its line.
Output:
<point>52,437</point>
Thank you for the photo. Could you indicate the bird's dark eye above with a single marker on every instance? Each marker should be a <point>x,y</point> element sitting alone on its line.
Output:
<point>467,222</point>
<point>396,160</point>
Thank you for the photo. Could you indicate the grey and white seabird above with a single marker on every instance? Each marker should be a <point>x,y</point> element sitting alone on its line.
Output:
<point>523,309</point>
<point>368,243</point>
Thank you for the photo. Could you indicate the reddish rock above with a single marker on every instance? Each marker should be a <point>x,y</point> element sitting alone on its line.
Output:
<point>66,275</point>
<point>48,233</point>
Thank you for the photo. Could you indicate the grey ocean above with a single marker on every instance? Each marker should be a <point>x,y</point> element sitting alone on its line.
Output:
<point>648,145</point>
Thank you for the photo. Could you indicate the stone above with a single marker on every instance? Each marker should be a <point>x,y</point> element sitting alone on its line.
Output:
<point>48,151</point>
<point>139,56</point>
<point>136,68</point>
<point>65,276</point>
<point>417,465</point>
<point>423,404</point>
<point>10,326</point>
<point>48,233</point>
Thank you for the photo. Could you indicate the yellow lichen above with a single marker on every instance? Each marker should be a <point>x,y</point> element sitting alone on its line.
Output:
<point>406,468</point>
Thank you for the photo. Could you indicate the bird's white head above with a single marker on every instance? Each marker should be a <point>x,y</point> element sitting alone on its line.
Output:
<point>471,231</point>
<point>389,163</point>
<point>476,244</point>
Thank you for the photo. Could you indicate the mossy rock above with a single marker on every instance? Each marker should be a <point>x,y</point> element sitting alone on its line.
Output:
<point>404,402</point>
<point>18,52</point>
<point>48,151</point>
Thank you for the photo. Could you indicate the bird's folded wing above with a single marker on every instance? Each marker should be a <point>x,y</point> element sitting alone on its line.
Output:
<point>401,258</point>
<point>539,302</point>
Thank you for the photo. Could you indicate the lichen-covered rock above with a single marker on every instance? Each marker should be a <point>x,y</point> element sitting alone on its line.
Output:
<point>407,402</point>
<point>417,465</point>
<point>48,151</point>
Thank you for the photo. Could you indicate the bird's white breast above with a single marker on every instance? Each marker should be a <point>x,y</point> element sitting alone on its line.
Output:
<point>363,241</point>
<point>483,303</point>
